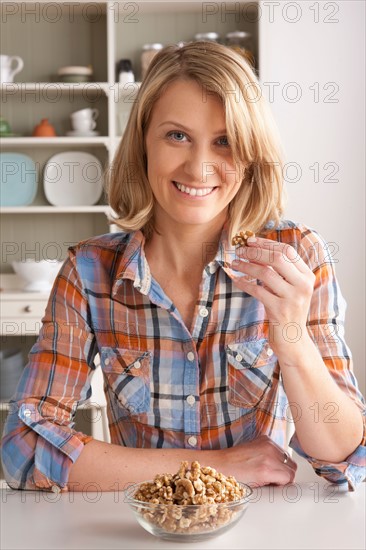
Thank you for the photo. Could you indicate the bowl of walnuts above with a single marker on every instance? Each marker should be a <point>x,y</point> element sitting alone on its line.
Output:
<point>196,503</point>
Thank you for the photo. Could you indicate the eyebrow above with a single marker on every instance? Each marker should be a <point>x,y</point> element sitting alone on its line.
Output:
<point>175,123</point>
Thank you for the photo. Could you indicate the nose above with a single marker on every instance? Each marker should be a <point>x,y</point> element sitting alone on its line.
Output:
<point>201,165</point>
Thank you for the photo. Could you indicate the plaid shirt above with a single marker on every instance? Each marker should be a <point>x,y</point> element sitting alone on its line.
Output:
<point>212,387</point>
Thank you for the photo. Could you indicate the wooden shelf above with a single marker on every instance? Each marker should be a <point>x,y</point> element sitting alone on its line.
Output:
<point>55,209</point>
<point>86,88</point>
<point>92,88</point>
<point>56,141</point>
<point>167,6</point>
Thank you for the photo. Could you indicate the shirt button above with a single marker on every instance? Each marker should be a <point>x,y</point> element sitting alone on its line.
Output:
<point>212,268</point>
<point>27,412</point>
<point>190,356</point>
<point>238,357</point>
<point>192,441</point>
<point>269,352</point>
<point>203,312</point>
<point>137,364</point>
<point>191,400</point>
<point>106,361</point>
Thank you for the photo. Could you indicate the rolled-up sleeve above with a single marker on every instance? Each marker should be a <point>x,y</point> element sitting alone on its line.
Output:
<point>326,327</point>
<point>39,442</point>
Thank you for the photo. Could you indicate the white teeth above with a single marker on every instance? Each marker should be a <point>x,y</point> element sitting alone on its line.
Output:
<point>194,192</point>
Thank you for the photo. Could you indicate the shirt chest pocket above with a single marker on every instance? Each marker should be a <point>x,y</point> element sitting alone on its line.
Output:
<point>251,367</point>
<point>127,373</point>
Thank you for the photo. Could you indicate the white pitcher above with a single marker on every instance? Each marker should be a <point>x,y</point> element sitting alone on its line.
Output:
<point>7,72</point>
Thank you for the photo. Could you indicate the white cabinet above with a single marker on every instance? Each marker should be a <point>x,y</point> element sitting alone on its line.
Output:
<point>21,315</point>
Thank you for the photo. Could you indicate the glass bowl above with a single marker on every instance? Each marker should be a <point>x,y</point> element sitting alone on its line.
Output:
<point>187,523</point>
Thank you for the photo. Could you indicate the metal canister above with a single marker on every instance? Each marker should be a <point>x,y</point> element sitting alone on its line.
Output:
<point>148,53</point>
<point>241,41</point>
<point>207,36</point>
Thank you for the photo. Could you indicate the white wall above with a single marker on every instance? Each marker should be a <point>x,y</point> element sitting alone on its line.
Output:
<point>308,52</point>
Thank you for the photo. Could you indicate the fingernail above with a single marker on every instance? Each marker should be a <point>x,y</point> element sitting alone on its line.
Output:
<point>251,240</point>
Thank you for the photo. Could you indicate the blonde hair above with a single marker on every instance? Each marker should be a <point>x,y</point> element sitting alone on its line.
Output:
<point>251,132</point>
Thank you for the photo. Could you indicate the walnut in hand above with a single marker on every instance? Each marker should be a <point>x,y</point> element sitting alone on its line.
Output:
<point>242,237</point>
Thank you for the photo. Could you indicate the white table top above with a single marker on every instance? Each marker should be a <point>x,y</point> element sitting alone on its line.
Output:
<point>309,514</point>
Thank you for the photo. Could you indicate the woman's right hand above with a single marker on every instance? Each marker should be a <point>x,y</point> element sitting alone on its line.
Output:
<point>258,462</point>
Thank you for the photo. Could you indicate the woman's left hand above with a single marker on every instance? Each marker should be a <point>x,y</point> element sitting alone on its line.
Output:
<point>282,282</point>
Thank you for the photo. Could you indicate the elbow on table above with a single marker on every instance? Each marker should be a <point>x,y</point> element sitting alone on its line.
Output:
<point>17,467</point>
<point>18,453</point>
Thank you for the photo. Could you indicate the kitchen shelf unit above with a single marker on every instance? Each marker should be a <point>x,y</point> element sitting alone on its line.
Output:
<point>119,31</point>
<point>47,36</point>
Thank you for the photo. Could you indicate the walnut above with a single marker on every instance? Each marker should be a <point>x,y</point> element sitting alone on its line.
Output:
<point>184,523</point>
<point>199,486</point>
<point>241,238</point>
<point>184,491</point>
<point>176,512</point>
<point>195,470</point>
<point>183,468</point>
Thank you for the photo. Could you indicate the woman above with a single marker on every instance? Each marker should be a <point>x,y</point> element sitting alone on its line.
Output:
<point>205,348</point>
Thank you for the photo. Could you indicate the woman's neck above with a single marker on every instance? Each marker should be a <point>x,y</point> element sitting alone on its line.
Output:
<point>183,253</point>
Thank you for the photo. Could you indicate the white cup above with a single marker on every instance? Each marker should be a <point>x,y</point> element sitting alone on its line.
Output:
<point>84,125</point>
<point>85,114</point>
<point>7,72</point>
<point>84,120</point>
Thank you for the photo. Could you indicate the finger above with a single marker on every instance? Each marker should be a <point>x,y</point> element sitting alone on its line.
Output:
<point>281,453</point>
<point>256,290</point>
<point>285,249</point>
<point>288,470</point>
<point>290,464</point>
<point>276,260</point>
<point>289,253</point>
<point>279,476</point>
<point>272,280</point>
<point>284,478</point>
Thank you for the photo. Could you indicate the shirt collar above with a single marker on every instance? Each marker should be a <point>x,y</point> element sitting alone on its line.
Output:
<point>225,253</point>
<point>134,266</point>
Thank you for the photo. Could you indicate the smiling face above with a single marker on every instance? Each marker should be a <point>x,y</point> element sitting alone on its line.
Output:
<point>190,165</point>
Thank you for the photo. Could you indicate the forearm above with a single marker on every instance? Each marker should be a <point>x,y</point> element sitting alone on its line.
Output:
<point>328,423</point>
<point>111,467</point>
<point>107,467</point>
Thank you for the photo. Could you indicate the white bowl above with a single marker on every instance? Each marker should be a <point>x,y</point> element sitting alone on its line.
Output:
<point>37,276</point>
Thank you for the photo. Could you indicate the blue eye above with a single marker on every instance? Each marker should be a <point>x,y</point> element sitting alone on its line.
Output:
<point>226,143</point>
<point>173,135</point>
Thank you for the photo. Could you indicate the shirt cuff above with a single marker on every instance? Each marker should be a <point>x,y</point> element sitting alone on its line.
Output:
<point>352,470</point>
<point>51,467</point>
